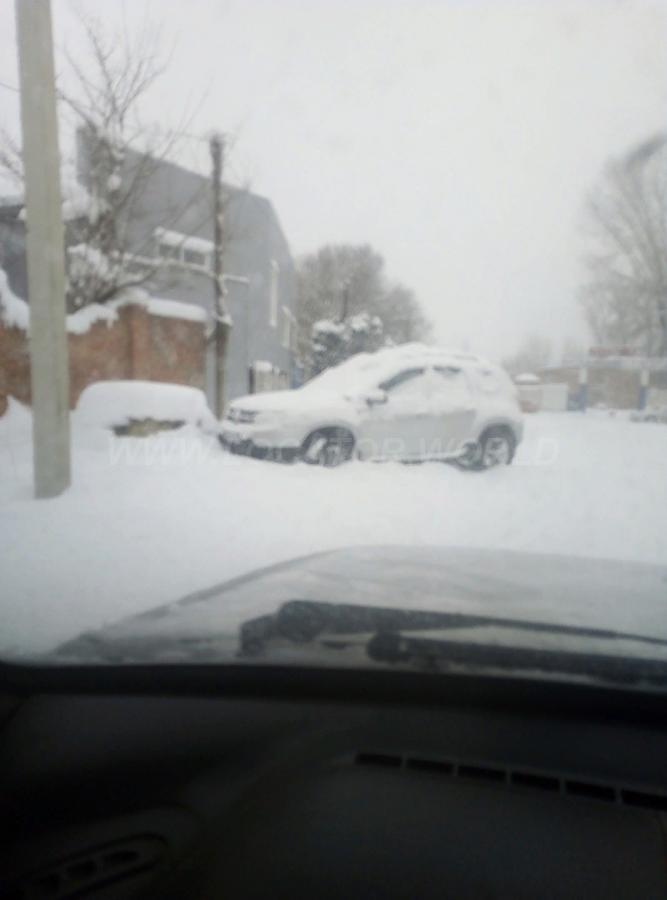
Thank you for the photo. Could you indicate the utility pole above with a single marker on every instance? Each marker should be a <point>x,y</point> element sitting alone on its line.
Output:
<point>346,300</point>
<point>46,255</point>
<point>222,320</point>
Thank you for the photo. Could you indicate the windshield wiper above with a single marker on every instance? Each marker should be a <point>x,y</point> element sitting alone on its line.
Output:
<point>302,621</point>
<point>437,654</point>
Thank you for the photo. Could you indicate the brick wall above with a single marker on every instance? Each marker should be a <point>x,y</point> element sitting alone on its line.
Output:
<point>138,345</point>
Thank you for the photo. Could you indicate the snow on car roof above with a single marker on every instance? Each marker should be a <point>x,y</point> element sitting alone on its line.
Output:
<point>365,370</point>
<point>110,403</point>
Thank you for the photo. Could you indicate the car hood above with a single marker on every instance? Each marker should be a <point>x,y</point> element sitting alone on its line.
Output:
<point>298,400</point>
<point>565,591</point>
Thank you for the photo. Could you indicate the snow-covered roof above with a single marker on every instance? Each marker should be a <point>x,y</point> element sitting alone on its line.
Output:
<point>527,378</point>
<point>366,370</point>
<point>263,366</point>
<point>187,242</point>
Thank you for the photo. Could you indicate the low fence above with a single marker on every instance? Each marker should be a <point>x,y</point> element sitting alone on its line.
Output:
<point>130,342</point>
<point>623,384</point>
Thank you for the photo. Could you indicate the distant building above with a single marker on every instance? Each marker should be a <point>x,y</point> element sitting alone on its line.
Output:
<point>171,219</point>
<point>612,379</point>
<point>535,396</point>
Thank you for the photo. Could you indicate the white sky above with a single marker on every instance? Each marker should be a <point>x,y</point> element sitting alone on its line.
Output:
<point>459,139</point>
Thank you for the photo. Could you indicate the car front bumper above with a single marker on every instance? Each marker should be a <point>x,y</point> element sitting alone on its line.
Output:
<point>259,441</point>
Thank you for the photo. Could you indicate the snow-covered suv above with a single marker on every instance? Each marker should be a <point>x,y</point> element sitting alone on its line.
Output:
<point>408,403</point>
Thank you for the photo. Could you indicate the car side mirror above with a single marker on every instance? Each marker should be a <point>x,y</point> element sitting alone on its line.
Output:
<point>376,397</point>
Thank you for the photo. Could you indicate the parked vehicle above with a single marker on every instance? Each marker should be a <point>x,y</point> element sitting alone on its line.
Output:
<point>407,403</point>
<point>650,414</point>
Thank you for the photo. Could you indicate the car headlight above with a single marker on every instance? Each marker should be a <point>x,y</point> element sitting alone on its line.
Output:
<point>244,416</point>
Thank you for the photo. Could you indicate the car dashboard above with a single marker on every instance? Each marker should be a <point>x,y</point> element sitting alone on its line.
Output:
<point>156,784</point>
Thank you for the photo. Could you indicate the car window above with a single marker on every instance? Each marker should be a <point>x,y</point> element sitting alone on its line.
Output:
<point>450,377</point>
<point>400,379</point>
<point>451,388</point>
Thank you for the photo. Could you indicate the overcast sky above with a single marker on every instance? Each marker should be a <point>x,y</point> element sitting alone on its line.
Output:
<point>458,138</point>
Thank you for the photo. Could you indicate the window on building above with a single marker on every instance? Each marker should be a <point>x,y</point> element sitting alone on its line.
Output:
<point>169,251</point>
<point>184,249</point>
<point>273,294</point>
<point>194,257</point>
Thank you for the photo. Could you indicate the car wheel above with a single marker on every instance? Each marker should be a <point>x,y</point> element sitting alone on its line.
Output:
<point>328,447</point>
<point>495,447</point>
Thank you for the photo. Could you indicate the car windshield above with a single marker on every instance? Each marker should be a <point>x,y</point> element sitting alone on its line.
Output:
<point>335,334</point>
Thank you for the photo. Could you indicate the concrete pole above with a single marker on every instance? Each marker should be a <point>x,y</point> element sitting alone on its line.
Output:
<point>46,255</point>
<point>222,320</point>
<point>583,388</point>
<point>644,381</point>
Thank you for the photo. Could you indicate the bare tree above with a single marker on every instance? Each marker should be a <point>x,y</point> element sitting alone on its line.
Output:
<point>534,353</point>
<point>117,154</point>
<point>625,293</point>
<point>573,351</point>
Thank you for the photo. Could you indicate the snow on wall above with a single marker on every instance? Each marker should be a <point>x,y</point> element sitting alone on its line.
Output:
<point>174,309</point>
<point>83,319</point>
<point>15,312</point>
<point>137,337</point>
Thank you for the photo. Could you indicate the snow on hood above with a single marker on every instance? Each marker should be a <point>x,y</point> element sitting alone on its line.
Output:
<point>296,400</point>
<point>557,590</point>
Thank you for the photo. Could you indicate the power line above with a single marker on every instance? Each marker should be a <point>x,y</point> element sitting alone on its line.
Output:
<point>9,87</point>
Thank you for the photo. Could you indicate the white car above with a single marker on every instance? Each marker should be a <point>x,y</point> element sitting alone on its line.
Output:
<point>407,403</point>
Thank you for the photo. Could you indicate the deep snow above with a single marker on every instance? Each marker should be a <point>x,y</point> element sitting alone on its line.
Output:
<point>148,520</point>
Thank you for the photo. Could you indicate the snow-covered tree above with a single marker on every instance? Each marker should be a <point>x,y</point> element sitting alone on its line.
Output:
<point>346,305</point>
<point>534,353</point>
<point>333,342</point>
<point>625,293</point>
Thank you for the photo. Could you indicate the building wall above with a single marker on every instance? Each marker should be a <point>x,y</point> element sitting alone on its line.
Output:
<point>180,200</point>
<point>616,387</point>
<point>137,345</point>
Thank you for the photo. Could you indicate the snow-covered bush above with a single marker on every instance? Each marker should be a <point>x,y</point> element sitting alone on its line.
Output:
<point>333,342</point>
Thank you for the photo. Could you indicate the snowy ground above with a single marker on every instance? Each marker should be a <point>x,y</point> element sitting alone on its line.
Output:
<point>148,520</point>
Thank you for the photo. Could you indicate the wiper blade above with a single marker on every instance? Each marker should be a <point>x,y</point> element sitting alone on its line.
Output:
<point>433,653</point>
<point>301,621</point>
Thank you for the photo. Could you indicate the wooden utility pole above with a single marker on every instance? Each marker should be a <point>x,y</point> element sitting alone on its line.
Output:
<point>49,369</point>
<point>346,300</point>
<point>222,320</point>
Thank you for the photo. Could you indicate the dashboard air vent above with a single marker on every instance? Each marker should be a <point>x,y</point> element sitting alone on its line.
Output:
<point>539,781</point>
<point>99,866</point>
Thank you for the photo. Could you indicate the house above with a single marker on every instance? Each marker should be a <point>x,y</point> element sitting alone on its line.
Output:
<point>169,235</point>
